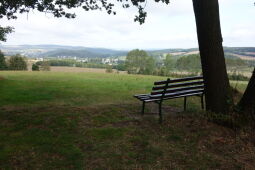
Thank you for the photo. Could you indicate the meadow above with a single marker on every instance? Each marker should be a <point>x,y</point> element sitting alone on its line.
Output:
<point>85,120</point>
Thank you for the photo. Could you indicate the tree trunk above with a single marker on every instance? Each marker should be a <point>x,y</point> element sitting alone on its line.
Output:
<point>217,89</point>
<point>247,103</point>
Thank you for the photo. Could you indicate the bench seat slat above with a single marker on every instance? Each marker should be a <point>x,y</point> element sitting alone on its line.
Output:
<point>138,95</point>
<point>142,97</point>
<point>174,97</point>
<point>177,89</point>
<point>178,80</point>
<point>171,89</point>
<point>158,96</point>
<point>178,85</point>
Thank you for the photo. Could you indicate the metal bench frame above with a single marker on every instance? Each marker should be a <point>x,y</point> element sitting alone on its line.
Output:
<point>171,89</point>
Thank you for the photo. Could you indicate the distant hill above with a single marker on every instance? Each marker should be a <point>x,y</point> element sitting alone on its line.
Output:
<point>33,51</point>
<point>82,53</point>
<point>246,53</point>
<point>58,50</point>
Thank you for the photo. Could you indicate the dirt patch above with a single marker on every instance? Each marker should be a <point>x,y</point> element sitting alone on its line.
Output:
<point>78,70</point>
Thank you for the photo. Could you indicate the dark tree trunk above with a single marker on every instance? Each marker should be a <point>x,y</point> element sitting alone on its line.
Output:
<point>247,103</point>
<point>217,89</point>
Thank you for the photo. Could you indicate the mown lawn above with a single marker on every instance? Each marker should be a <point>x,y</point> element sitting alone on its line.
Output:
<point>91,121</point>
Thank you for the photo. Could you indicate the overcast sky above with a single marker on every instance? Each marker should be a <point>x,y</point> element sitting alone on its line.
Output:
<point>166,26</point>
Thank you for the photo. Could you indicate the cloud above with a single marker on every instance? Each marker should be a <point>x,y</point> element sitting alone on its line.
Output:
<point>167,26</point>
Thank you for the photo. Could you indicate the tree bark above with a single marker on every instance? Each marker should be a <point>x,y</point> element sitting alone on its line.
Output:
<point>247,102</point>
<point>217,89</point>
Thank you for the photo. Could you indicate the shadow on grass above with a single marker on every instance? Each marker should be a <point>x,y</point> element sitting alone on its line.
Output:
<point>117,137</point>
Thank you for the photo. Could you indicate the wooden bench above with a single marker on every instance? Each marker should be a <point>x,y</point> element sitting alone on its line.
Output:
<point>171,89</point>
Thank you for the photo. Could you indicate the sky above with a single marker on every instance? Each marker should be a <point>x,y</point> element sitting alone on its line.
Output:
<point>166,26</point>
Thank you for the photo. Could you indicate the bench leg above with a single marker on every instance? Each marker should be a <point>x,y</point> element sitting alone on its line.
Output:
<point>160,112</point>
<point>143,108</point>
<point>202,102</point>
<point>185,103</point>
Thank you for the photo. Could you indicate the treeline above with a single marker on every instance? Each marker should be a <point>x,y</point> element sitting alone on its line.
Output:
<point>19,62</point>
<point>95,63</point>
<point>15,62</point>
<point>139,62</point>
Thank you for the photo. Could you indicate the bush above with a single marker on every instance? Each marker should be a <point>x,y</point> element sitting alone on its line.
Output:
<point>35,67</point>
<point>17,62</point>
<point>3,65</point>
<point>238,77</point>
<point>139,62</point>
<point>120,67</point>
<point>45,66</point>
<point>189,63</point>
<point>109,69</point>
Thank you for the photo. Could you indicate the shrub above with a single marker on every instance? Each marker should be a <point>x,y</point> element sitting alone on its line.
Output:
<point>109,69</point>
<point>3,65</point>
<point>35,67</point>
<point>17,62</point>
<point>45,66</point>
<point>238,77</point>
<point>139,62</point>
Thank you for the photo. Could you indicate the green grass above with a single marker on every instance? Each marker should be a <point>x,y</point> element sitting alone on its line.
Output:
<point>91,121</point>
<point>72,88</point>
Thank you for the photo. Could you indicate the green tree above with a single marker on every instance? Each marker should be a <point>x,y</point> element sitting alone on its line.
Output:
<point>108,69</point>
<point>189,63</point>
<point>139,62</point>
<point>163,71</point>
<point>3,65</point>
<point>4,31</point>
<point>235,62</point>
<point>169,62</point>
<point>45,66</point>
<point>35,67</point>
<point>17,62</point>
<point>120,67</point>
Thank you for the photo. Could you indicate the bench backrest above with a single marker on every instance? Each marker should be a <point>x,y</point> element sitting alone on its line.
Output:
<point>176,87</point>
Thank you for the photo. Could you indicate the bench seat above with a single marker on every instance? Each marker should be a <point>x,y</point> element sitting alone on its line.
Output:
<point>171,89</point>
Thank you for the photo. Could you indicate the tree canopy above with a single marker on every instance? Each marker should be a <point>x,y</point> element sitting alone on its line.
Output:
<point>17,62</point>
<point>3,65</point>
<point>60,8</point>
<point>4,31</point>
<point>189,63</point>
<point>169,62</point>
<point>139,62</point>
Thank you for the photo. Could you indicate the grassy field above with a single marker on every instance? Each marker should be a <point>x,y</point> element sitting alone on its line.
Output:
<point>54,120</point>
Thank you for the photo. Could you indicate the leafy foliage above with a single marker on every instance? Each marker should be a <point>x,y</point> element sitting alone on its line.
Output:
<point>190,62</point>
<point>93,63</point>
<point>60,8</point>
<point>139,62</point>
<point>4,31</point>
<point>169,62</point>
<point>45,65</point>
<point>109,69</point>
<point>3,65</point>
<point>120,66</point>
<point>236,62</point>
<point>35,67</point>
<point>17,62</point>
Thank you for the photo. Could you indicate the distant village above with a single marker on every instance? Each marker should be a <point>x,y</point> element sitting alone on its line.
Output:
<point>108,60</point>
